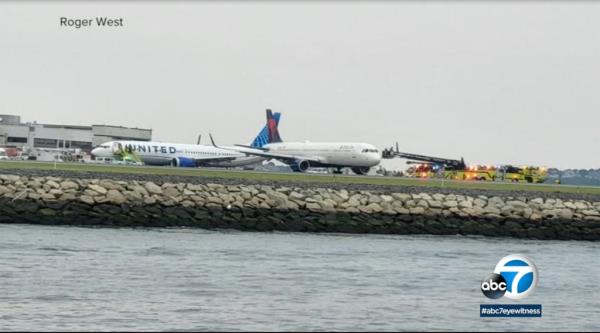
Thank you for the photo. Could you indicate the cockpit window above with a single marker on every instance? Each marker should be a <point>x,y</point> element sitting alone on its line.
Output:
<point>369,150</point>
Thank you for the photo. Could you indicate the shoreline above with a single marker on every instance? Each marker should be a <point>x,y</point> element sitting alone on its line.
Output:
<point>153,201</point>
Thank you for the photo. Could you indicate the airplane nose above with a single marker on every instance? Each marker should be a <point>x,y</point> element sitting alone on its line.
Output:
<point>95,151</point>
<point>376,158</point>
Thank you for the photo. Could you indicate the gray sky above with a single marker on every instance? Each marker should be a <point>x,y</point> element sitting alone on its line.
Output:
<point>493,82</point>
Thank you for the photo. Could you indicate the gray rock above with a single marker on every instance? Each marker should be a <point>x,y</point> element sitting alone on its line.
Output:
<point>215,200</point>
<point>87,199</point>
<point>4,189</point>
<point>465,204</point>
<point>371,208</point>
<point>569,204</point>
<point>435,204</point>
<point>479,202</point>
<point>188,203</point>
<point>313,206</point>
<point>565,213</point>
<point>374,199</point>
<point>110,185</point>
<point>538,201</point>
<point>297,195</point>
<point>590,212</point>
<point>115,197</point>
<point>139,190</point>
<point>53,184</point>
<point>48,196</point>
<point>69,185</point>
<point>328,203</point>
<point>375,208</point>
<point>439,197</point>
<point>423,203</point>
<point>88,192</point>
<point>401,210</point>
<point>33,196</point>
<point>9,178</point>
<point>352,210</point>
<point>491,210</point>
<point>34,184</point>
<point>517,203</point>
<point>97,188</point>
<point>386,198</point>
<point>291,205</point>
<point>343,194</point>
<point>535,217</point>
<point>527,212</point>
<point>495,202</point>
<point>153,188</point>
<point>416,210</point>
<point>171,191</point>
<point>149,200</point>
<point>401,196</point>
<point>100,199</point>
<point>197,187</point>
<point>549,214</point>
<point>56,191</point>
<point>450,203</point>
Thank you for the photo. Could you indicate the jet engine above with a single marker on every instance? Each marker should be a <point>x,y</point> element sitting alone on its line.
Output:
<point>183,162</point>
<point>300,165</point>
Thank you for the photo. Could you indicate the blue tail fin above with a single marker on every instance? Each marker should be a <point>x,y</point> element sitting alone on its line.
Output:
<point>269,133</point>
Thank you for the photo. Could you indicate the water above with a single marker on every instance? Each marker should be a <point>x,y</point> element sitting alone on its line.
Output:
<point>67,278</point>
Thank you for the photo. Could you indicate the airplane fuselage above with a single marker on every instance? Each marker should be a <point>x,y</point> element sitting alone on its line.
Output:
<point>330,154</point>
<point>176,154</point>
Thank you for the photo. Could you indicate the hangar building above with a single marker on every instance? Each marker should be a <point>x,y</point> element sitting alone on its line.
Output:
<point>14,133</point>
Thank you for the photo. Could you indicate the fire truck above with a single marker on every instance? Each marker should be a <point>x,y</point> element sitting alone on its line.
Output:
<point>423,166</point>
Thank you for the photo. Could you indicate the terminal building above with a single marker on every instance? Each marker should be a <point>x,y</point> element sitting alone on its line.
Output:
<point>14,133</point>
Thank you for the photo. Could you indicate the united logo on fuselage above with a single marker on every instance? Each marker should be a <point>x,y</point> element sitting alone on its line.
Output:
<point>151,149</point>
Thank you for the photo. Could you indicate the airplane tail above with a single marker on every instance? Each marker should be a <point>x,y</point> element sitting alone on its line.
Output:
<point>269,133</point>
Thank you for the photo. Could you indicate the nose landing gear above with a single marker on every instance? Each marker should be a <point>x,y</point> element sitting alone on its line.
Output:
<point>361,170</point>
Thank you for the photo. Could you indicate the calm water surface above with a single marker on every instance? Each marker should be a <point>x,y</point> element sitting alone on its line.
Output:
<point>68,278</point>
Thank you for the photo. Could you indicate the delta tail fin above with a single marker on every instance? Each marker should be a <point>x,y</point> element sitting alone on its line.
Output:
<point>269,133</point>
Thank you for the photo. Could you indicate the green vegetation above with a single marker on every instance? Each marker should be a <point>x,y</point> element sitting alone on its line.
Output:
<point>293,177</point>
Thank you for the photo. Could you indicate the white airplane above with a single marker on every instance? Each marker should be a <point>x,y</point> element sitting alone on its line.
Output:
<point>301,156</point>
<point>184,155</point>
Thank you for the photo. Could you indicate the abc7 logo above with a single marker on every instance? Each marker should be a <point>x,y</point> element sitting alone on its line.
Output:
<point>515,277</point>
<point>493,286</point>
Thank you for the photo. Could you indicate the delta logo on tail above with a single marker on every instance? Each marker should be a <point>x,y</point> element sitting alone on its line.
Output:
<point>265,136</point>
<point>272,126</point>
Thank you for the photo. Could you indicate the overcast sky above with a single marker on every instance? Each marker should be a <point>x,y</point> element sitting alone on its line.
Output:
<point>494,82</point>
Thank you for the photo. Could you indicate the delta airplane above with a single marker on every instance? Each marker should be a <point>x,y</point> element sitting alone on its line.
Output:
<point>301,156</point>
<point>185,155</point>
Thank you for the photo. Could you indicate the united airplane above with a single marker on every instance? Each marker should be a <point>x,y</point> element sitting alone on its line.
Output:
<point>185,155</point>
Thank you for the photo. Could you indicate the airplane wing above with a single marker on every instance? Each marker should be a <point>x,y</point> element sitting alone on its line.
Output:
<point>263,152</point>
<point>282,157</point>
<point>209,160</point>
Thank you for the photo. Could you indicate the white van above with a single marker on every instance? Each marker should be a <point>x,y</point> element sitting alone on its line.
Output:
<point>3,155</point>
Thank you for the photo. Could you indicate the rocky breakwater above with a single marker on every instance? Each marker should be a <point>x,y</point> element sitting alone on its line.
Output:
<point>104,202</point>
